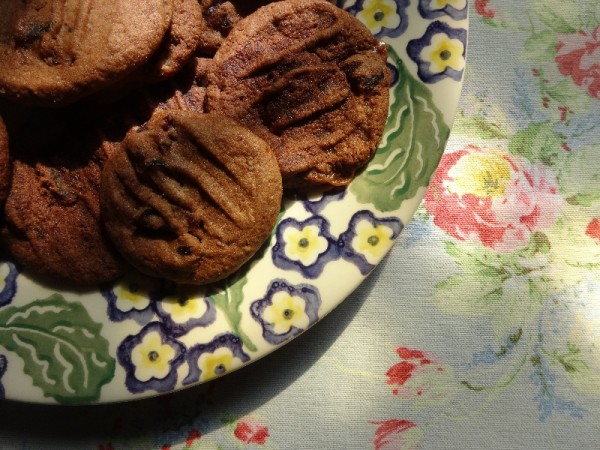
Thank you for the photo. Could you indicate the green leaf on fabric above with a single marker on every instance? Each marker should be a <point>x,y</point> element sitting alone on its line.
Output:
<point>569,95</point>
<point>412,145</point>
<point>494,284</point>
<point>540,47</point>
<point>579,180</point>
<point>478,126</point>
<point>61,346</point>
<point>571,360</point>
<point>559,15</point>
<point>539,142</point>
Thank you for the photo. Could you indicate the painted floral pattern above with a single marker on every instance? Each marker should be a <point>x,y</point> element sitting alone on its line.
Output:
<point>382,17</point>
<point>440,53</point>
<point>151,359</point>
<point>457,9</point>
<point>286,311</point>
<point>368,239</point>
<point>215,358</point>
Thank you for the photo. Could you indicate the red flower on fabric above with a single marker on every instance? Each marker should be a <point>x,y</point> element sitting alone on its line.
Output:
<point>483,9</point>
<point>578,56</point>
<point>390,434</point>
<point>193,436</point>
<point>251,431</point>
<point>416,375</point>
<point>492,197</point>
<point>593,229</point>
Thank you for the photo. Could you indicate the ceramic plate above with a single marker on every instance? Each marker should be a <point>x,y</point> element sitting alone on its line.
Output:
<point>141,337</point>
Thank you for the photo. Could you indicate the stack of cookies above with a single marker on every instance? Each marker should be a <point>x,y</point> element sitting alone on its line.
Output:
<point>160,134</point>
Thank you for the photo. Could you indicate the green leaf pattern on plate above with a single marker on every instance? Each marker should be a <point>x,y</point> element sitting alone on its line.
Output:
<point>61,346</point>
<point>410,149</point>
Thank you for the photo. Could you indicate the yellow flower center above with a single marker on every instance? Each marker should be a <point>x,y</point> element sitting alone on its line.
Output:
<point>185,305</point>
<point>372,241</point>
<point>456,4</point>
<point>444,52</point>
<point>379,13</point>
<point>480,174</point>
<point>285,312</point>
<point>217,363</point>
<point>132,294</point>
<point>151,357</point>
<point>304,245</point>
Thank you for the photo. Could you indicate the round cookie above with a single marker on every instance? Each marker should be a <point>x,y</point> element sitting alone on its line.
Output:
<point>180,43</point>
<point>312,81</point>
<point>4,162</point>
<point>219,18</point>
<point>190,197</point>
<point>52,214</point>
<point>54,52</point>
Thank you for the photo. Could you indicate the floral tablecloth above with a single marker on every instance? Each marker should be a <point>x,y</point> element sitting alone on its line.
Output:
<point>481,329</point>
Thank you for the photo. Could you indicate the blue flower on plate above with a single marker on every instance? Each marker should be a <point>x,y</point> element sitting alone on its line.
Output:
<point>8,285</point>
<point>150,359</point>
<point>305,246</point>
<point>430,9</point>
<point>368,239</point>
<point>184,308</point>
<point>382,17</point>
<point>132,297</point>
<point>3,365</point>
<point>440,53</point>
<point>315,202</point>
<point>215,358</point>
<point>286,310</point>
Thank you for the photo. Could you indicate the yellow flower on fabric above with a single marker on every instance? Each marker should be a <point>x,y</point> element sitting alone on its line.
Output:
<point>483,174</point>
<point>286,311</point>
<point>444,52</point>
<point>372,241</point>
<point>217,363</point>
<point>184,306</point>
<point>378,14</point>
<point>304,245</point>
<point>456,4</point>
<point>151,357</point>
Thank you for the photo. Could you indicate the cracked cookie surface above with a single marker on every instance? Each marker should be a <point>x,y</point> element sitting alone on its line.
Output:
<point>312,81</point>
<point>190,197</point>
<point>55,52</point>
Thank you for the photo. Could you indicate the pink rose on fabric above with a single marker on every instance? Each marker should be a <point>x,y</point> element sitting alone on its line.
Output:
<point>250,431</point>
<point>492,197</point>
<point>418,375</point>
<point>593,229</point>
<point>394,434</point>
<point>578,56</point>
<point>484,10</point>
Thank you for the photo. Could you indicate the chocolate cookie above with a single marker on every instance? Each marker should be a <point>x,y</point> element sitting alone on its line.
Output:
<point>52,213</point>
<point>54,52</point>
<point>190,197</point>
<point>180,43</point>
<point>219,18</point>
<point>4,162</point>
<point>312,81</point>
